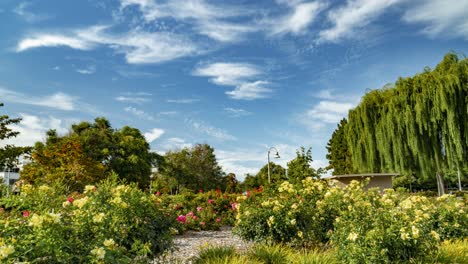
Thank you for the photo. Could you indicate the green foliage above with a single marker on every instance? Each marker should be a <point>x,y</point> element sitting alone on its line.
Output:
<point>289,214</point>
<point>277,174</point>
<point>201,211</point>
<point>109,223</point>
<point>214,255</point>
<point>415,127</point>
<point>300,167</point>
<point>338,154</point>
<point>270,254</point>
<point>194,168</point>
<point>9,154</point>
<point>362,226</point>
<point>89,153</point>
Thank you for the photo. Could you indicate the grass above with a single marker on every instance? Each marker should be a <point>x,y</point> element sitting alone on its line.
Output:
<point>453,252</point>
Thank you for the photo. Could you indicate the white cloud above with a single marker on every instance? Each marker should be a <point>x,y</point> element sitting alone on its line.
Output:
<point>133,98</point>
<point>449,17</point>
<point>138,47</point>
<point>226,73</point>
<point>174,143</point>
<point>33,128</point>
<point>352,17</point>
<point>250,91</point>
<point>330,112</point>
<point>234,112</point>
<point>298,20</point>
<point>154,134</point>
<point>207,19</point>
<point>53,40</point>
<point>239,75</point>
<point>88,70</point>
<point>183,101</point>
<point>58,100</point>
<point>211,131</point>
<point>139,113</point>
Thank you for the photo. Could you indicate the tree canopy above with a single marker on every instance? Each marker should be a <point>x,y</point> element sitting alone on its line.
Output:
<point>418,127</point>
<point>301,167</point>
<point>338,155</point>
<point>89,152</point>
<point>194,168</point>
<point>8,153</point>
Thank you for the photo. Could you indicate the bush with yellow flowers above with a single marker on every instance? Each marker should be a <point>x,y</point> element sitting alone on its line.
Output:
<point>108,223</point>
<point>364,226</point>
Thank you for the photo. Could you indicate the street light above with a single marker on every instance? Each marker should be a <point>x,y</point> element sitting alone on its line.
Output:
<point>277,156</point>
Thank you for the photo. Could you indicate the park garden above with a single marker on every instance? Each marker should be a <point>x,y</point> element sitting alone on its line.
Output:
<point>90,196</point>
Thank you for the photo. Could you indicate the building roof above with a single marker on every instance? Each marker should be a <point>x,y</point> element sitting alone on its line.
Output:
<point>364,175</point>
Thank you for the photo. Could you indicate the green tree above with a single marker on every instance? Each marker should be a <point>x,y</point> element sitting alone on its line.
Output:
<point>338,155</point>
<point>8,153</point>
<point>418,127</point>
<point>277,174</point>
<point>300,167</point>
<point>123,151</point>
<point>232,185</point>
<point>194,168</point>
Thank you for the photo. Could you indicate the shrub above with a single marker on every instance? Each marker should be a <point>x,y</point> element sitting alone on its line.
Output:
<point>215,255</point>
<point>289,215</point>
<point>108,223</point>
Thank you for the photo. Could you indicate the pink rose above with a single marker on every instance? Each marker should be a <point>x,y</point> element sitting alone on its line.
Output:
<point>190,214</point>
<point>70,199</point>
<point>181,219</point>
<point>26,213</point>
<point>218,220</point>
<point>199,208</point>
<point>210,201</point>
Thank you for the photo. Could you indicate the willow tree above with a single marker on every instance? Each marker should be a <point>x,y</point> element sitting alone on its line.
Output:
<point>419,126</point>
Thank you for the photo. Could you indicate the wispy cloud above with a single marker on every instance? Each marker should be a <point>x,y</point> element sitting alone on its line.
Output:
<point>298,19</point>
<point>209,130</point>
<point>206,19</point>
<point>139,47</point>
<point>329,111</point>
<point>240,75</point>
<point>22,10</point>
<point>91,69</point>
<point>236,112</point>
<point>58,100</point>
<point>448,17</point>
<point>134,98</point>
<point>352,17</point>
<point>174,143</point>
<point>183,100</point>
<point>154,134</point>
<point>250,91</point>
<point>139,113</point>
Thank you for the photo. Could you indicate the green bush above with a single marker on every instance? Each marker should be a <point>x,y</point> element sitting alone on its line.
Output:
<point>291,214</point>
<point>108,223</point>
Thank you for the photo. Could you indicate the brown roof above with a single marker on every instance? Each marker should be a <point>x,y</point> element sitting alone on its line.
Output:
<point>364,175</point>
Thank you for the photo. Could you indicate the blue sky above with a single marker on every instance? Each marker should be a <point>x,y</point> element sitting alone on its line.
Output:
<point>240,75</point>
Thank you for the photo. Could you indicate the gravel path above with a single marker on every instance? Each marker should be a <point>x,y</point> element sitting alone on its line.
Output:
<point>189,244</point>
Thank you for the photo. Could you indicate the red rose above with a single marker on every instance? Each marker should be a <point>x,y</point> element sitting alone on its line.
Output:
<point>26,213</point>
<point>70,199</point>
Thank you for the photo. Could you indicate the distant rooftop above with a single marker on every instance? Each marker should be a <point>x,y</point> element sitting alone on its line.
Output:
<point>363,175</point>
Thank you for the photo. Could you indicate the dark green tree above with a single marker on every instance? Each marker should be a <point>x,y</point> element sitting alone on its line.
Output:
<point>194,168</point>
<point>8,153</point>
<point>300,167</point>
<point>338,155</point>
<point>277,174</point>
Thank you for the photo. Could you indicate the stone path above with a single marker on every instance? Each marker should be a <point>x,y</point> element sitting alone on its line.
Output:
<point>189,244</point>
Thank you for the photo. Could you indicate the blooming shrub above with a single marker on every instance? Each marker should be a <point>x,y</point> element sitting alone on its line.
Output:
<point>202,211</point>
<point>388,228</point>
<point>363,226</point>
<point>288,214</point>
<point>108,223</point>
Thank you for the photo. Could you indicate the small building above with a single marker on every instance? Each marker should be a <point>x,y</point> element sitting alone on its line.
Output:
<point>380,180</point>
<point>10,176</point>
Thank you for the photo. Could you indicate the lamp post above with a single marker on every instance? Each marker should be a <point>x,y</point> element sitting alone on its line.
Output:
<point>277,156</point>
